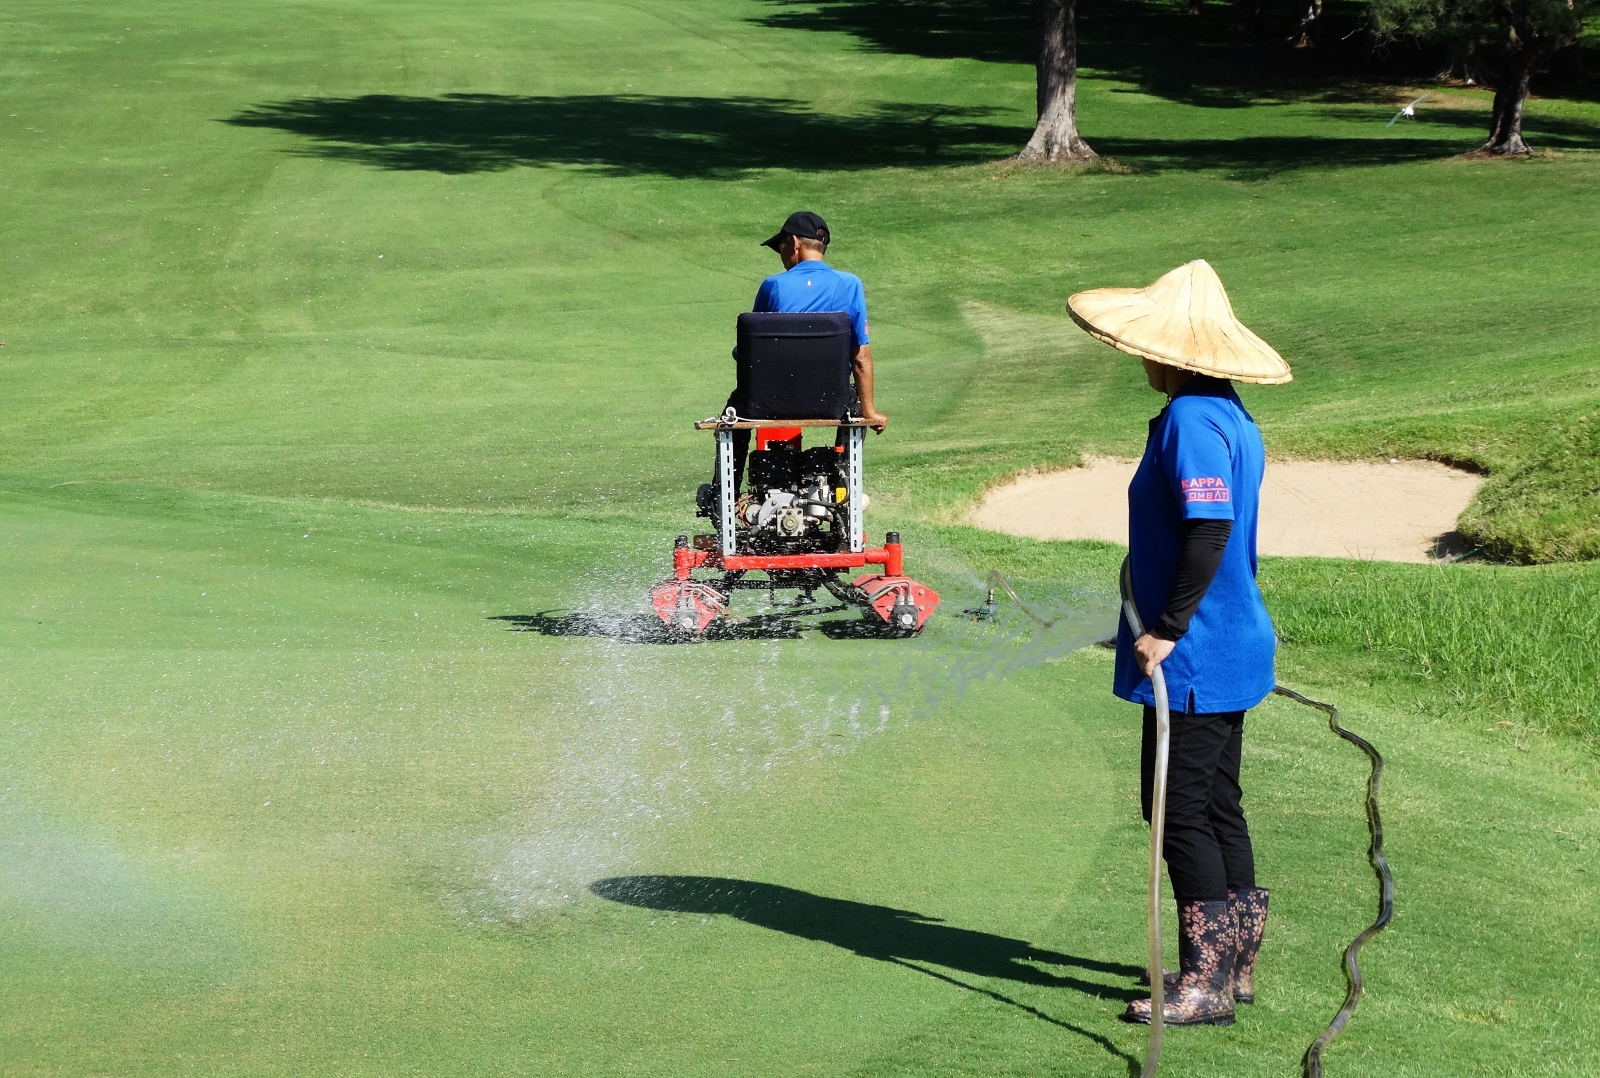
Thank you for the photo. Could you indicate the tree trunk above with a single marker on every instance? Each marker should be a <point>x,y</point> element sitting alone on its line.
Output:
<point>1505,122</point>
<point>1056,137</point>
<point>1458,62</point>
<point>1310,26</point>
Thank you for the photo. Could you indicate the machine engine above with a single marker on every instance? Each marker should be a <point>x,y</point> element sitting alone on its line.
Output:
<point>796,501</point>
<point>797,524</point>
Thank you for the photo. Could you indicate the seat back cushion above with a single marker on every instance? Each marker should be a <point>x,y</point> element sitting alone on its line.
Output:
<point>794,366</point>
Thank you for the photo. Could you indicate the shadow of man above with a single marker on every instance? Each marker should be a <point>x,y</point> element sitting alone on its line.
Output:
<point>879,932</point>
<point>902,937</point>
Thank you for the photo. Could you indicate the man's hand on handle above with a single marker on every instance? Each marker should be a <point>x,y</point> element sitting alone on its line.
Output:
<point>875,419</point>
<point>1151,651</point>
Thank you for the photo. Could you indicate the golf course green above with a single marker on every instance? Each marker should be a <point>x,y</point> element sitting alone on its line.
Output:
<point>348,358</point>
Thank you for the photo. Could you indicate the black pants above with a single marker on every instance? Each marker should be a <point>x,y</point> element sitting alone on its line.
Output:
<point>1207,842</point>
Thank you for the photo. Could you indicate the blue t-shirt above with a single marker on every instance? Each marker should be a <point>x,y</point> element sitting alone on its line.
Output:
<point>1203,461</point>
<point>816,286</point>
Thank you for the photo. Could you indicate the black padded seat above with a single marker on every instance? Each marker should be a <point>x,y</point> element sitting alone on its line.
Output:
<point>794,366</point>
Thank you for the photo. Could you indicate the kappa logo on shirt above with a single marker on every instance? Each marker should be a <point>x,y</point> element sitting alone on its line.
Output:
<point>1205,488</point>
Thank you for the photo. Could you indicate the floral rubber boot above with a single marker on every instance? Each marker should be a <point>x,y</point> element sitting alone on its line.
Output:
<point>1249,906</point>
<point>1208,938</point>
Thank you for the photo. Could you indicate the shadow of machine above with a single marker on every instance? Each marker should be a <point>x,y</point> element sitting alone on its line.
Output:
<point>786,623</point>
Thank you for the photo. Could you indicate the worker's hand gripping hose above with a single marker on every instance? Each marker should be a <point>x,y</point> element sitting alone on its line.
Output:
<point>1313,1057</point>
<point>1158,828</point>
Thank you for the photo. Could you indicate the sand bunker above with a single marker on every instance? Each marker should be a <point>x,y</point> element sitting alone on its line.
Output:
<point>1322,509</point>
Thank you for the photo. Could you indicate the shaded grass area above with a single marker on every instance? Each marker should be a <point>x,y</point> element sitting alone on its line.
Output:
<point>731,136</point>
<point>672,136</point>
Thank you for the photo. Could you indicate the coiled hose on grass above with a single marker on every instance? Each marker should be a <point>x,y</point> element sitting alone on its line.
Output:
<point>1312,1061</point>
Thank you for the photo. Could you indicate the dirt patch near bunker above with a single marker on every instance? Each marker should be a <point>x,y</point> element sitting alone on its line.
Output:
<point>1400,511</point>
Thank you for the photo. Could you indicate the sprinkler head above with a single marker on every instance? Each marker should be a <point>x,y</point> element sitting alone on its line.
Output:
<point>986,612</point>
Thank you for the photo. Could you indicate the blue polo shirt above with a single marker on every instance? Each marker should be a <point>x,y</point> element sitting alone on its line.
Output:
<point>1203,461</point>
<point>816,286</point>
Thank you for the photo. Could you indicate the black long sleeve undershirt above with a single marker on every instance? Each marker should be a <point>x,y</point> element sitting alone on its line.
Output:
<point>1203,544</point>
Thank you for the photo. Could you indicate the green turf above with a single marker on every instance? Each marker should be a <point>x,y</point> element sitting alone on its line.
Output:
<point>1495,641</point>
<point>309,765</point>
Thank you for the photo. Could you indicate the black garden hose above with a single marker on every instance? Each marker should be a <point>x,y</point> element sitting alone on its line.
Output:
<point>1380,865</point>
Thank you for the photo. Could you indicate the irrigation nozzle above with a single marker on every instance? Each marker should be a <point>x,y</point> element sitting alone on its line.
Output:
<point>986,612</point>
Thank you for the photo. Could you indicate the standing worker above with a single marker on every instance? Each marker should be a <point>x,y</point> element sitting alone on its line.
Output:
<point>1192,554</point>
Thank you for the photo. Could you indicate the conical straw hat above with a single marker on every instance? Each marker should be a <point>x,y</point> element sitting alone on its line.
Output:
<point>1183,320</point>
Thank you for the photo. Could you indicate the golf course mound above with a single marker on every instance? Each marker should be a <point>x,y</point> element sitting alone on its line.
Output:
<point>1399,511</point>
<point>1544,509</point>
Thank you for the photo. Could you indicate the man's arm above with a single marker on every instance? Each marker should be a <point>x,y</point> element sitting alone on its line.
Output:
<point>861,366</point>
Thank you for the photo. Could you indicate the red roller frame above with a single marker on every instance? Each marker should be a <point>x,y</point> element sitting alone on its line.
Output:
<point>689,605</point>
<point>685,560</point>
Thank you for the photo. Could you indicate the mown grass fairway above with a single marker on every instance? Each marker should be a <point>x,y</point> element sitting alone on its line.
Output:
<point>349,355</point>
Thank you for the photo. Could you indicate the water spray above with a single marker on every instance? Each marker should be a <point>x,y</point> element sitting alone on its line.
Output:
<point>1312,1061</point>
<point>634,768</point>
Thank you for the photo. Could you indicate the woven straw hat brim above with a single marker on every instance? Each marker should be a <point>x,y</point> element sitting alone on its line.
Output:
<point>1193,328</point>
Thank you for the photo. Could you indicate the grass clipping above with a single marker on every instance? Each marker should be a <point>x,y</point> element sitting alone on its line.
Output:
<point>1547,507</point>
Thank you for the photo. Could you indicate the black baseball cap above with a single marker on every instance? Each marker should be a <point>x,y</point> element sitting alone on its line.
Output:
<point>805,224</point>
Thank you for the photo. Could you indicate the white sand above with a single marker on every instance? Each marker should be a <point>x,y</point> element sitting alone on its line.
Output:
<point>1320,509</point>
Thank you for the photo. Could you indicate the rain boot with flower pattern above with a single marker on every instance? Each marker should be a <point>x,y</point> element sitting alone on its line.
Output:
<point>1207,941</point>
<point>1250,913</point>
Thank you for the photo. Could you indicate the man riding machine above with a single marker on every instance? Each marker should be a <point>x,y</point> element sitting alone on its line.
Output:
<point>798,522</point>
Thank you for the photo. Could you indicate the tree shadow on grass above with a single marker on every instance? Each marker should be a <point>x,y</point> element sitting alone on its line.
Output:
<point>630,134</point>
<point>1260,157</point>
<point>461,133</point>
<point>1545,132</point>
<point>912,940</point>
<point>1153,46</point>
